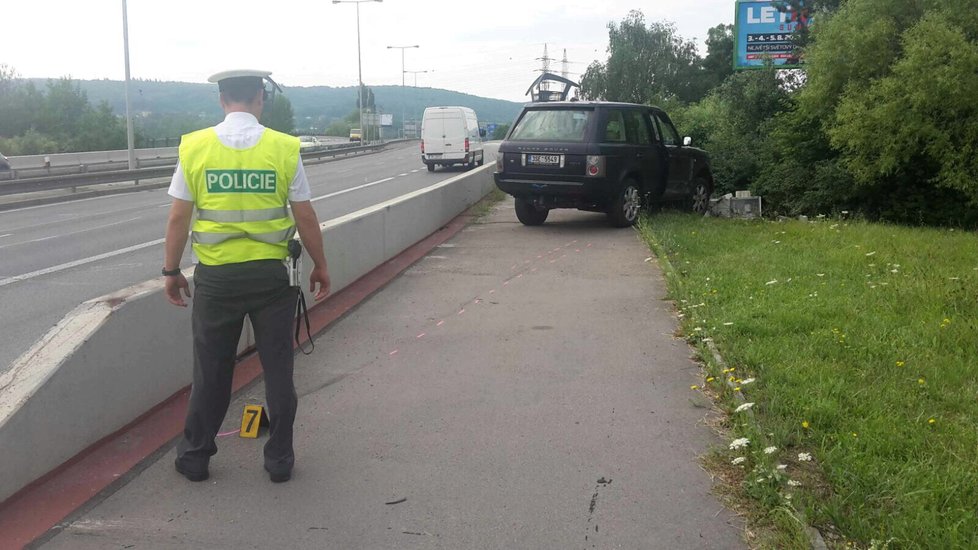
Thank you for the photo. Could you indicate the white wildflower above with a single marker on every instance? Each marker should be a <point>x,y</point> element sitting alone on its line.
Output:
<point>744,407</point>
<point>793,483</point>
<point>772,282</point>
<point>820,274</point>
<point>804,457</point>
<point>871,253</point>
<point>782,467</point>
<point>770,450</point>
<point>746,381</point>
<point>739,460</point>
<point>739,443</point>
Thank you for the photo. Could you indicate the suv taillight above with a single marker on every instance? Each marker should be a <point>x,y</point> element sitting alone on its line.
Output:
<point>422,146</point>
<point>466,145</point>
<point>500,165</point>
<point>595,166</point>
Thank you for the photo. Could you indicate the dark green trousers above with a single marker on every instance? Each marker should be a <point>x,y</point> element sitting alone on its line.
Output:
<point>223,296</point>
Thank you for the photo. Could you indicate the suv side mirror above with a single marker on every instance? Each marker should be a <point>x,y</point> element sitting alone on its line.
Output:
<point>482,132</point>
<point>687,141</point>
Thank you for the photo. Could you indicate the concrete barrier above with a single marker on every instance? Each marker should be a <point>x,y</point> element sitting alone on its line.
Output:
<point>93,157</point>
<point>116,357</point>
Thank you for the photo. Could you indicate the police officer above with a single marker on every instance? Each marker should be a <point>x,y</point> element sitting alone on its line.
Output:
<point>240,176</point>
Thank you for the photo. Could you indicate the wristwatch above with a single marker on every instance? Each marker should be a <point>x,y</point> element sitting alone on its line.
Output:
<point>171,272</point>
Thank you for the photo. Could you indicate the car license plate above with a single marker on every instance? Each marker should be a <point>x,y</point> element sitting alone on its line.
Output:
<point>434,155</point>
<point>543,160</point>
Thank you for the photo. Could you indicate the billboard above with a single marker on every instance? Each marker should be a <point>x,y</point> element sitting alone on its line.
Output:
<point>379,119</point>
<point>765,30</point>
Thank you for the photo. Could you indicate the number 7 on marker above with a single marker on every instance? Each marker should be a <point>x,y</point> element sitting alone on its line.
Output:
<point>250,421</point>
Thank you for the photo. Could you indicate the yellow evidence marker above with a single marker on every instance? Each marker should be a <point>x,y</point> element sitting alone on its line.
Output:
<point>250,421</point>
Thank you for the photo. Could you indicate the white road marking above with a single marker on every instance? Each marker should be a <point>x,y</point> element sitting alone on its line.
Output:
<point>72,233</point>
<point>413,171</point>
<point>118,196</point>
<point>357,188</point>
<point>402,175</point>
<point>7,235</point>
<point>76,263</point>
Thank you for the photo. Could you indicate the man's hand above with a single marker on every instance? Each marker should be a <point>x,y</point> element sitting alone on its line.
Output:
<point>321,276</point>
<point>173,286</point>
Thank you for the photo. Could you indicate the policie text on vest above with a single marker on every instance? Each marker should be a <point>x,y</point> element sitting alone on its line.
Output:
<point>240,181</point>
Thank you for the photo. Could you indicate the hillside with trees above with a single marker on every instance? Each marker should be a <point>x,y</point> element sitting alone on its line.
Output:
<point>65,115</point>
<point>315,107</point>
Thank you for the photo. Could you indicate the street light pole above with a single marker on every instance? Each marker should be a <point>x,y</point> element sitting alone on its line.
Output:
<point>416,75</point>
<point>402,48</point>
<point>129,133</point>
<point>403,73</point>
<point>363,133</point>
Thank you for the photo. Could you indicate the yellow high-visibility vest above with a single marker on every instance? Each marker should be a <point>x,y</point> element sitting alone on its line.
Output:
<point>241,196</point>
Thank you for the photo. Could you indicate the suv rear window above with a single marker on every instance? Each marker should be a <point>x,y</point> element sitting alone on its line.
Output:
<point>552,125</point>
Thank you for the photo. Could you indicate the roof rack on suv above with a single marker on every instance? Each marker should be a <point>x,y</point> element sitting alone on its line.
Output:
<point>540,90</point>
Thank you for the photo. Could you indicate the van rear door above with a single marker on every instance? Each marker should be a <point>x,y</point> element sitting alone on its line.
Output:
<point>443,132</point>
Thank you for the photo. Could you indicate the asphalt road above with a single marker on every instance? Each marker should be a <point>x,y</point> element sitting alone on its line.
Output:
<point>54,257</point>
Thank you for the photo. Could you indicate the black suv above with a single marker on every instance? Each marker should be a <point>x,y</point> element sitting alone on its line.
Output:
<point>599,157</point>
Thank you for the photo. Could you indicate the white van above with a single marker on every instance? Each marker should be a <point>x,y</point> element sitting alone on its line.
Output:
<point>451,135</point>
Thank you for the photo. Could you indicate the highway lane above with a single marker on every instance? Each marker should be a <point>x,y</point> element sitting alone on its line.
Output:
<point>54,257</point>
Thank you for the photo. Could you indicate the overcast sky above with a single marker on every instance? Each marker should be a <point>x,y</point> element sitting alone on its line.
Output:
<point>483,48</point>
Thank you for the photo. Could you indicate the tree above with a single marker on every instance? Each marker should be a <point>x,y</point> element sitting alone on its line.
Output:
<point>718,63</point>
<point>924,113</point>
<point>885,123</point>
<point>731,123</point>
<point>278,115</point>
<point>646,64</point>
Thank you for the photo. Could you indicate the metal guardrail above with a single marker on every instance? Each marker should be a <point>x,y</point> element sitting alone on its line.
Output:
<point>121,174</point>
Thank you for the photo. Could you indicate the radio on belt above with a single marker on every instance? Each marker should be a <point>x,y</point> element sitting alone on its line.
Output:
<point>293,264</point>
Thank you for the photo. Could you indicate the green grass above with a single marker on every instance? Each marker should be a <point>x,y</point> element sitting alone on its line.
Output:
<point>482,208</point>
<point>866,332</point>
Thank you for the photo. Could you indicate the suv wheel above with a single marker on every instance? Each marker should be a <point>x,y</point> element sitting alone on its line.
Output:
<point>624,209</point>
<point>529,214</point>
<point>700,201</point>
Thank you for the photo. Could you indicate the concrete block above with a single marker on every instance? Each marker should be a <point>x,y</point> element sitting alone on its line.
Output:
<point>732,207</point>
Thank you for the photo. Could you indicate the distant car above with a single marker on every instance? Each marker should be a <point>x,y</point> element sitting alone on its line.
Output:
<point>355,135</point>
<point>4,162</point>
<point>599,157</point>
<point>308,142</point>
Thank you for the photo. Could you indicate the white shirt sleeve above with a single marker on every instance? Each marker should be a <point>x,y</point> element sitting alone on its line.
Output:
<point>299,189</point>
<point>178,185</point>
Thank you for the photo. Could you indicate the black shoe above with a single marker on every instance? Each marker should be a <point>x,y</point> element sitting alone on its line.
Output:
<point>192,475</point>
<point>279,477</point>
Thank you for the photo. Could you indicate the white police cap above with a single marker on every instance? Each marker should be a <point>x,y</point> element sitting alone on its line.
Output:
<point>217,77</point>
